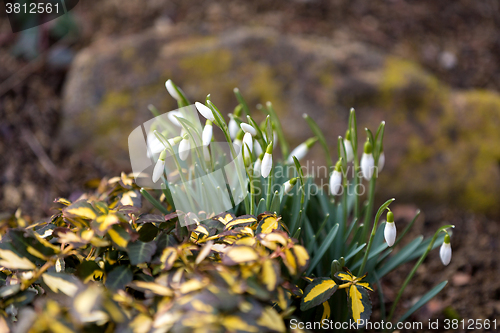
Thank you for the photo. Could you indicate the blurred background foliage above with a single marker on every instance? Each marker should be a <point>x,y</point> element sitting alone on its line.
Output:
<point>73,89</point>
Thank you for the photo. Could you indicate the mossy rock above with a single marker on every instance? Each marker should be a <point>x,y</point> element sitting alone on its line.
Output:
<point>441,144</point>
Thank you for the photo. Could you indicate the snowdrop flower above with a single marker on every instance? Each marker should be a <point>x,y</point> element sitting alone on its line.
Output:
<point>390,229</point>
<point>381,161</point>
<point>233,128</point>
<point>367,161</point>
<point>288,186</point>
<point>301,150</point>
<point>171,88</point>
<point>184,148</point>
<point>159,167</point>
<point>172,117</point>
<point>267,161</point>
<point>445,251</point>
<point>247,155</point>
<point>257,166</point>
<point>248,140</point>
<point>257,147</point>
<point>348,147</point>
<point>336,179</point>
<point>248,129</point>
<point>207,133</point>
<point>205,111</point>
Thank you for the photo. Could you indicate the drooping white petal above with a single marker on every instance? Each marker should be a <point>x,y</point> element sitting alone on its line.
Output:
<point>348,150</point>
<point>299,152</point>
<point>171,116</point>
<point>390,233</point>
<point>256,167</point>
<point>207,134</point>
<point>445,253</point>
<point>171,90</point>
<point>184,148</point>
<point>381,162</point>
<point>154,145</point>
<point>248,140</point>
<point>288,187</point>
<point>336,182</point>
<point>205,111</point>
<point>248,129</point>
<point>367,165</point>
<point>158,170</point>
<point>258,148</point>
<point>267,165</point>
<point>233,128</point>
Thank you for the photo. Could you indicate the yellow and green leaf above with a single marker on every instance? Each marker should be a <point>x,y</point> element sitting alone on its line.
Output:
<point>242,221</point>
<point>239,255</point>
<point>319,291</point>
<point>359,302</point>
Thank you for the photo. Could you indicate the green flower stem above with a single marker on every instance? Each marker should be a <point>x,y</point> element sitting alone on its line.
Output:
<point>279,130</point>
<point>356,183</point>
<point>223,126</point>
<point>252,191</point>
<point>369,208</point>
<point>269,188</point>
<point>153,201</point>
<point>372,236</point>
<point>419,262</point>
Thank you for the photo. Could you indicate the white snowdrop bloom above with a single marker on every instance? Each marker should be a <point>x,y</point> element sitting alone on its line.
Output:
<point>207,133</point>
<point>172,117</point>
<point>381,161</point>
<point>257,147</point>
<point>348,150</point>
<point>390,229</point>
<point>445,251</point>
<point>336,182</point>
<point>247,155</point>
<point>257,166</point>
<point>367,161</point>
<point>367,165</point>
<point>390,233</point>
<point>288,186</point>
<point>159,166</point>
<point>171,90</point>
<point>299,152</point>
<point>184,148</point>
<point>154,145</point>
<point>267,161</point>
<point>205,111</point>
<point>248,140</point>
<point>248,129</point>
<point>233,128</point>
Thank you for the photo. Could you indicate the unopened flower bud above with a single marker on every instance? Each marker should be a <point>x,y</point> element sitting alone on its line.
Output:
<point>207,133</point>
<point>367,161</point>
<point>159,166</point>
<point>171,88</point>
<point>205,111</point>
<point>390,229</point>
<point>336,179</point>
<point>445,251</point>
<point>288,186</point>
<point>267,161</point>
<point>184,148</point>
